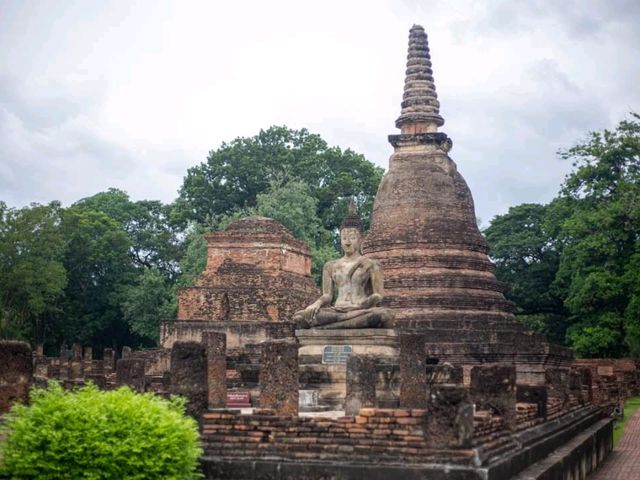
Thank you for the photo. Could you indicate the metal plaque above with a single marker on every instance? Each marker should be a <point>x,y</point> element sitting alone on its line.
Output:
<point>336,354</point>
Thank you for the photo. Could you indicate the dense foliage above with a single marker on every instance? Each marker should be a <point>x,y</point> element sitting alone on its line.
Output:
<point>236,174</point>
<point>105,271</point>
<point>574,265</point>
<point>96,434</point>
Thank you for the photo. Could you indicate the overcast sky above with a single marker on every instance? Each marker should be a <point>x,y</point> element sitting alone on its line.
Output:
<point>99,94</point>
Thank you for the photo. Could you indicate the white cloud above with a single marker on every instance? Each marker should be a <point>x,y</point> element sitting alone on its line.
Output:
<point>131,94</point>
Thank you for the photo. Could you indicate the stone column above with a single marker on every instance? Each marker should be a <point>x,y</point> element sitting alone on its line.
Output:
<point>63,372</point>
<point>449,418</point>
<point>575,386</point>
<point>189,375</point>
<point>87,360</point>
<point>75,367</point>
<point>216,347</point>
<point>279,377</point>
<point>130,371</point>
<point>557,381</point>
<point>108,361</point>
<point>361,383</point>
<point>40,366</point>
<point>126,352</point>
<point>413,376</point>
<point>53,370</point>
<point>16,373</point>
<point>587,382</point>
<point>76,350</point>
<point>493,387</point>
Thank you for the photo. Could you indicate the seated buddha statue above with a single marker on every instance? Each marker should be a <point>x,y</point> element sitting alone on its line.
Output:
<point>358,281</point>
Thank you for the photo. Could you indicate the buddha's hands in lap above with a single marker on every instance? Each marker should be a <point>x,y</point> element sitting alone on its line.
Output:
<point>312,310</point>
<point>371,301</point>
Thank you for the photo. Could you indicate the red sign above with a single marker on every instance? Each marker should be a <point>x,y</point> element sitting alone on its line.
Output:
<point>238,399</point>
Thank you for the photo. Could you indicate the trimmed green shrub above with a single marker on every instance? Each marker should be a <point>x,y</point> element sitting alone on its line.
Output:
<point>93,434</point>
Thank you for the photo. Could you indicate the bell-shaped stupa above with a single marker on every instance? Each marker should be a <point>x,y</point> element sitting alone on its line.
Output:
<point>438,276</point>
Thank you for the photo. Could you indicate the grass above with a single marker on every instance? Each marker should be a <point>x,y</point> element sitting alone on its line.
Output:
<point>630,407</point>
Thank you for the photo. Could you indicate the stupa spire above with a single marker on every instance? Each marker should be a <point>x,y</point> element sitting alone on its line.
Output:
<point>420,107</point>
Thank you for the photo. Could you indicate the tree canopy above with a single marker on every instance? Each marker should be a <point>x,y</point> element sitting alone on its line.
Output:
<point>235,175</point>
<point>576,260</point>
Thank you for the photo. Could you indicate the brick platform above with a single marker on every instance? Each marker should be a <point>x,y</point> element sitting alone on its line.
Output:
<point>394,443</point>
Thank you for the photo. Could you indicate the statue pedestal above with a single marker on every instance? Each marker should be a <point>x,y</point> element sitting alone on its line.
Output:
<point>322,357</point>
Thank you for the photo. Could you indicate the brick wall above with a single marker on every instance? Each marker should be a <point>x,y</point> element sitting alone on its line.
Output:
<point>373,435</point>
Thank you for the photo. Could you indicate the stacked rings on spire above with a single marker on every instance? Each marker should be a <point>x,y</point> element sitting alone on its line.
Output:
<point>420,101</point>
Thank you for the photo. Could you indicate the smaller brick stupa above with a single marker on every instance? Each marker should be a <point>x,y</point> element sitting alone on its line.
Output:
<point>257,276</point>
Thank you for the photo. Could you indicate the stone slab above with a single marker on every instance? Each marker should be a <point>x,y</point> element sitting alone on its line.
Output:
<point>365,341</point>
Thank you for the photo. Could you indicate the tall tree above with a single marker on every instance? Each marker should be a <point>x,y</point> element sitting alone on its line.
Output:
<point>527,258</point>
<point>155,240</point>
<point>148,302</point>
<point>235,174</point>
<point>600,241</point>
<point>32,274</point>
<point>98,265</point>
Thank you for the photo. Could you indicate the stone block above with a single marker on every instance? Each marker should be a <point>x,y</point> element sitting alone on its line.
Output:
<point>108,360</point>
<point>126,352</point>
<point>387,388</point>
<point>361,383</point>
<point>279,377</point>
<point>63,370</point>
<point>413,376</point>
<point>189,375</point>
<point>40,366</point>
<point>587,383</point>
<point>16,373</point>
<point>75,371</point>
<point>575,386</point>
<point>76,352</point>
<point>216,349</point>
<point>449,423</point>
<point>493,387</point>
<point>533,394</point>
<point>557,381</point>
<point>130,371</point>
<point>64,353</point>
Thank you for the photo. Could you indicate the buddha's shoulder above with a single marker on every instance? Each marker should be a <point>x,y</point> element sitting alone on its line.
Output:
<point>331,264</point>
<point>369,262</point>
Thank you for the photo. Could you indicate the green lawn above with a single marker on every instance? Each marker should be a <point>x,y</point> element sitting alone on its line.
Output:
<point>630,407</point>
